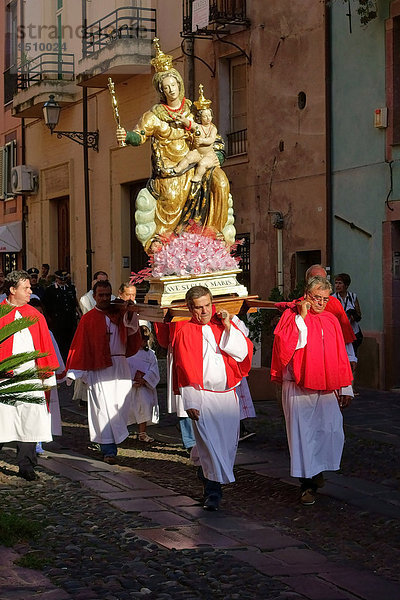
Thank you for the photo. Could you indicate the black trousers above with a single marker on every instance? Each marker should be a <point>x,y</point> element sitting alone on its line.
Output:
<point>209,487</point>
<point>26,455</point>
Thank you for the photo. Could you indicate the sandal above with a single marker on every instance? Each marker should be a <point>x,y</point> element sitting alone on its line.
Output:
<point>143,437</point>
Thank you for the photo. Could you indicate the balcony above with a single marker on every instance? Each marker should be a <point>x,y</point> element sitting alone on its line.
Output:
<point>37,78</point>
<point>118,45</point>
<point>224,16</point>
<point>237,143</point>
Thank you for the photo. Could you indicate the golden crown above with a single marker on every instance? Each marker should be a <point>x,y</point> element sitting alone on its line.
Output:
<point>202,103</point>
<point>161,62</point>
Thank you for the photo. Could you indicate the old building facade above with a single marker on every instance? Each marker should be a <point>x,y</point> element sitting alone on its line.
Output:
<point>308,169</point>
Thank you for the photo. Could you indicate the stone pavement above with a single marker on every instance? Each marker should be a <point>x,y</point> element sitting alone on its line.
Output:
<point>275,565</point>
<point>177,522</point>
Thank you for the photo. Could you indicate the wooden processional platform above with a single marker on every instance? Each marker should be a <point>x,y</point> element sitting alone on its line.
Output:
<point>165,301</point>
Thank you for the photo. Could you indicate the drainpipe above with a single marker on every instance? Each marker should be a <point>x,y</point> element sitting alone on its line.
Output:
<point>86,161</point>
<point>23,154</point>
<point>279,241</point>
<point>328,137</point>
<point>24,205</point>
<point>87,189</point>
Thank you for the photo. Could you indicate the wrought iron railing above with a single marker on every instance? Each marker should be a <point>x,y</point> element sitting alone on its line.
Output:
<point>228,10</point>
<point>49,65</point>
<point>125,22</point>
<point>220,11</point>
<point>10,78</point>
<point>237,142</point>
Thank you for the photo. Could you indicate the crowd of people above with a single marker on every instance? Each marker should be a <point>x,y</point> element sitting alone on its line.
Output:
<point>100,345</point>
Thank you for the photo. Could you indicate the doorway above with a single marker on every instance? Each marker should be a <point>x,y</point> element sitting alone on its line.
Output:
<point>139,258</point>
<point>62,243</point>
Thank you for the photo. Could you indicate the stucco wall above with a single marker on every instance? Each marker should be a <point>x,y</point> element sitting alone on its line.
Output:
<point>360,175</point>
<point>286,45</point>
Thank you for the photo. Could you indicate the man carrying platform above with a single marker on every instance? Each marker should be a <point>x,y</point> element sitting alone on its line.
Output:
<point>106,335</point>
<point>210,358</point>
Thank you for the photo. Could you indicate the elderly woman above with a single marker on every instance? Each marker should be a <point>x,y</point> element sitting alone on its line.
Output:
<point>171,141</point>
<point>309,359</point>
<point>351,306</point>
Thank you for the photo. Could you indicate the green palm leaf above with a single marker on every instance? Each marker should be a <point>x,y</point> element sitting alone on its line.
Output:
<point>8,330</point>
<point>17,360</point>
<point>19,386</point>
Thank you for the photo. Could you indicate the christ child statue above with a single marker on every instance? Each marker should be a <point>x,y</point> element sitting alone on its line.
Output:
<point>203,156</point>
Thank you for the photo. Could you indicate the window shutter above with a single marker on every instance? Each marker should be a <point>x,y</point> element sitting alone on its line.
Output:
<point>2,194</point>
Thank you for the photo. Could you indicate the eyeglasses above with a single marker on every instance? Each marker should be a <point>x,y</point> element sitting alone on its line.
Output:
<point>318,298</point>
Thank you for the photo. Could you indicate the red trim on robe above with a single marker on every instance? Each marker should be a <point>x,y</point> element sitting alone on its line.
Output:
<point>40,337</point>
<point>90,348</point>
<point>322,364</point>
<point>186,339</point>
<point>333,306</point>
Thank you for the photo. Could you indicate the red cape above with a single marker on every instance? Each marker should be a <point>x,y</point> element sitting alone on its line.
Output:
<point>90,348</point>
<point>186,339</point>
<point>40,336</point>
<point>322,364</point>
<point>333,306</point>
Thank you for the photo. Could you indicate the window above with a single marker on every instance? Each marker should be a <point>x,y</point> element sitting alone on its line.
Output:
<point>237,137</point>
<point>10,59</point>
<point>243,251</point>
<point>10,260</point>
<point>396,80</point>
<point>8,160</point>
<point>301,261</point>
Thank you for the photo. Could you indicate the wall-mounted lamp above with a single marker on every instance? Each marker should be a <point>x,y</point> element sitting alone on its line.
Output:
<point>51,113</point>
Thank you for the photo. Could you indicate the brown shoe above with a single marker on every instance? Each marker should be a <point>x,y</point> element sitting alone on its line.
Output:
<point>110,460</point>
<point>307,497</point>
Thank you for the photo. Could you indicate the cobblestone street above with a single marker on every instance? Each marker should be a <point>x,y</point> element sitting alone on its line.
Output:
<point>136,529</point>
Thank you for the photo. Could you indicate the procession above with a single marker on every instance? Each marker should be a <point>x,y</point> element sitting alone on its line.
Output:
<point>213,412</point>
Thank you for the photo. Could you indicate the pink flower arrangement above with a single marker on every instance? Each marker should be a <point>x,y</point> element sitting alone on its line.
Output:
<point>193,252</point>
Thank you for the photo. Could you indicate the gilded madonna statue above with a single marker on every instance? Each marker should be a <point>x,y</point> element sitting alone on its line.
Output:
<point>171,198</point>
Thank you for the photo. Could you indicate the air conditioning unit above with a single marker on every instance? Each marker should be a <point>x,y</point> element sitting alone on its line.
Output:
<point>23,180</point>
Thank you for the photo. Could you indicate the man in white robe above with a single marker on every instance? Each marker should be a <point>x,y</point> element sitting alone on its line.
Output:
<point>26,422</point>
<point>309,359</point>
<point>210,357</point>
<point>105,336</point>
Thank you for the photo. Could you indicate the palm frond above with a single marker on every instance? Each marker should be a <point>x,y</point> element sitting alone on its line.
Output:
<point>22,393</point>
<point>18,387</point>
<point>28,375</point>
<point>14,361</point>
<point>10,329</point>
<point>5,309</point>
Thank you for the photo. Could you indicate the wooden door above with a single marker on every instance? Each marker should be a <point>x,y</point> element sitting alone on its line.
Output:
<point>64,257</point>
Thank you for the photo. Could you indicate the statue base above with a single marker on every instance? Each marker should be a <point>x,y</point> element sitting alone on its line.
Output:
<point>165,290</point>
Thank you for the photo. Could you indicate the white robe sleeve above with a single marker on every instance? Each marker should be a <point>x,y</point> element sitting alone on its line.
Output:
<point>75,374</point>
<point>84,304</point>
<point>350,353</point>
<point>302,327</point>
<point>50,381</point>
<point>131,323</point>
<point>346,391</point>
<point>239,323</point>
<point>152,376</point>
<point>234,343</point>
<point>191,398</point>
